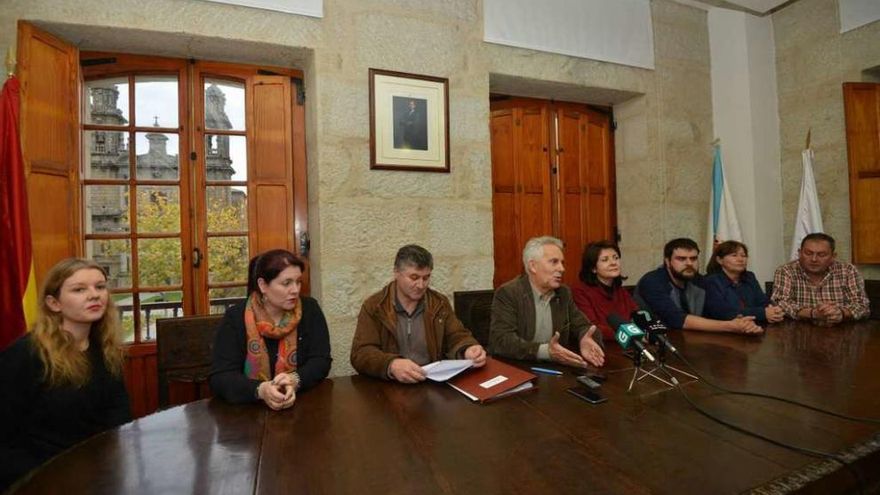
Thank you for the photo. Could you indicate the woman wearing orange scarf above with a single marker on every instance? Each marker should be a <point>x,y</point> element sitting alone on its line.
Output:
<point>276,342</point>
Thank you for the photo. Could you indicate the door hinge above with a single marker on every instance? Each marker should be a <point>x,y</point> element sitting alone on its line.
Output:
<point>300,90</point>
<point>305,244</point>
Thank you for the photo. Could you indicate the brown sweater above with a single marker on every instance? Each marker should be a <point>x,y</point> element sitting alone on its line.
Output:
<point>375,339</point>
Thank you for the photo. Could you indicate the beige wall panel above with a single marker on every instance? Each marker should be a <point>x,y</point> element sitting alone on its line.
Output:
<point>813,60</point>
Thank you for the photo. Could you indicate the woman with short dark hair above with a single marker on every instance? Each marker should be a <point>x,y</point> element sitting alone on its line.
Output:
<point>732,290</point>
<point>600,292</point>
<point>276,342</point>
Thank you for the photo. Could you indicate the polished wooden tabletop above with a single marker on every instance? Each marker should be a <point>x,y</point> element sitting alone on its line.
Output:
<point>364,436</point>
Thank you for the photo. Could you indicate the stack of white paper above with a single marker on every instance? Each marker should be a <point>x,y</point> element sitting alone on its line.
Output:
<point>443,370</point>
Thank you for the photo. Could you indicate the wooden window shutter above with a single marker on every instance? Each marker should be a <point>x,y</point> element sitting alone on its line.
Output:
<point>586,189</point>
<point>504,196</point>
<point>600,178</point>
<point>571,157</point>
<point>862,109</point>
<point>48,69</point>
<point>533,173</point>
<point>270,157</point>
<point>521,182</point>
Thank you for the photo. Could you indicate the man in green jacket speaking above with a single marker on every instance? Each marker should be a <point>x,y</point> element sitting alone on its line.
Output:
<point>534,316</point>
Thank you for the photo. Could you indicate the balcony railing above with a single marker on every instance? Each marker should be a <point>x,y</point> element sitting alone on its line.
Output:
<point>171,309</point>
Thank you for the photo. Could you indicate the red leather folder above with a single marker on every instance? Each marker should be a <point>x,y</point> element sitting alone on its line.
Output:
<point>494,380</point>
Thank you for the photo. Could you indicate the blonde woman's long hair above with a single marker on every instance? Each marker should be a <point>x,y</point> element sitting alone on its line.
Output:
<point>63,362</point>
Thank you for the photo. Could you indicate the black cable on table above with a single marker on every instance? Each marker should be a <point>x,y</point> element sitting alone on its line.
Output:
<point>773,397</point>
<point>803,450</point>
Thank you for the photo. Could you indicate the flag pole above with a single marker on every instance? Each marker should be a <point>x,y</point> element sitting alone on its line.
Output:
<point>808,218</point>
<point>10,63</point>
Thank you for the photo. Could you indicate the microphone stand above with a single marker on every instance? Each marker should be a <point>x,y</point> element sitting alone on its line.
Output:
<point>659,366</point>
<point>637,361</point>
<point>661,360</point>
<point>640,373</point>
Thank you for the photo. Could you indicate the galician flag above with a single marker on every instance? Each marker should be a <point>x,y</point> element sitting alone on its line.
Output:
<point>723,225</point>
<point>809,215</point>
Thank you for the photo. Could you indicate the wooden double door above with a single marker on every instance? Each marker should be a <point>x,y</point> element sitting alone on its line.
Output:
<point>552,174</point>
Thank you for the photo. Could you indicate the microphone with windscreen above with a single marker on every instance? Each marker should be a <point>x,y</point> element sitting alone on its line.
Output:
<point>629,335</point>
<point>654,328</point>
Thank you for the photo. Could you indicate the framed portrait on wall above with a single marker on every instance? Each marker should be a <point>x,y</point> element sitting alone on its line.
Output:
<point>409,122</point>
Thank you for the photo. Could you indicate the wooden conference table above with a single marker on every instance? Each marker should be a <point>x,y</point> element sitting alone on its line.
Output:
<point>363,436</point>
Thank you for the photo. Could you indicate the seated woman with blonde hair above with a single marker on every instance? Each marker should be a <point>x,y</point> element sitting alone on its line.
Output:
<point>732,290</point>
<point>276,342</point>
<point>62,382</point>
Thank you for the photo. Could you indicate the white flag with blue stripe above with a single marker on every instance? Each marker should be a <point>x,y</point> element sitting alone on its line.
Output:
<point>723,224</point>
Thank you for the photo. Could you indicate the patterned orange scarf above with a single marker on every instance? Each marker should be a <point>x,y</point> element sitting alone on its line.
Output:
<point>259,326</point>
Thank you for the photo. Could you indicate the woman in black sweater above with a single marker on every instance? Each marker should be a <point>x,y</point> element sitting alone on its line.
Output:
<point>62,382</point>
<point>276,342</point>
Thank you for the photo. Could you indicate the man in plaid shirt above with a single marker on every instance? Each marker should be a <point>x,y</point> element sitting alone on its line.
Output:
<point>817,287</point>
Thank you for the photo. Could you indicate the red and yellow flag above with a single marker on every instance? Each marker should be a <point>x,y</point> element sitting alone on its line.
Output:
<point>18,297</point>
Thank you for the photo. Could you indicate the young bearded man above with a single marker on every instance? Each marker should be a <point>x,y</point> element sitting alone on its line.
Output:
<point>673,293</point>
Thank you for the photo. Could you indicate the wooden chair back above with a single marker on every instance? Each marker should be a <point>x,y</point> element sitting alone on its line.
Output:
<point>183,347</point>
<point>474,309</point>
<point>872,287</point>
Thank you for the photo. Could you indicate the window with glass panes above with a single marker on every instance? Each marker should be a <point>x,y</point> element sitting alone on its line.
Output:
<point>132,194</point>
<point>167,216</point>
<point>224,132</point>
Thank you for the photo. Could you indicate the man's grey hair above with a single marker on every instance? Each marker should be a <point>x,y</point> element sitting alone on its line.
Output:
<point>413,255</point>
<point>535,248</point>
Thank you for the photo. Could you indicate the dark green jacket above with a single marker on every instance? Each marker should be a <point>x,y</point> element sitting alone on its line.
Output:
<point>513,321</point>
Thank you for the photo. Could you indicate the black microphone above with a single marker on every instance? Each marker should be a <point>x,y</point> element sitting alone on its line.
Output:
<point>654,327</point>
<point>627,334</point>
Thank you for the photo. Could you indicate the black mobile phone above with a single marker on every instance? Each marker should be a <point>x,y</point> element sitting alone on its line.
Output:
<point>597,376</point>
<point>588,382</point>
<point>586,394</point>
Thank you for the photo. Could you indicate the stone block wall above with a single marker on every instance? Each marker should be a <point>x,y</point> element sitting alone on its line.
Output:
<point>811,66</point>
<point>358,217</point>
